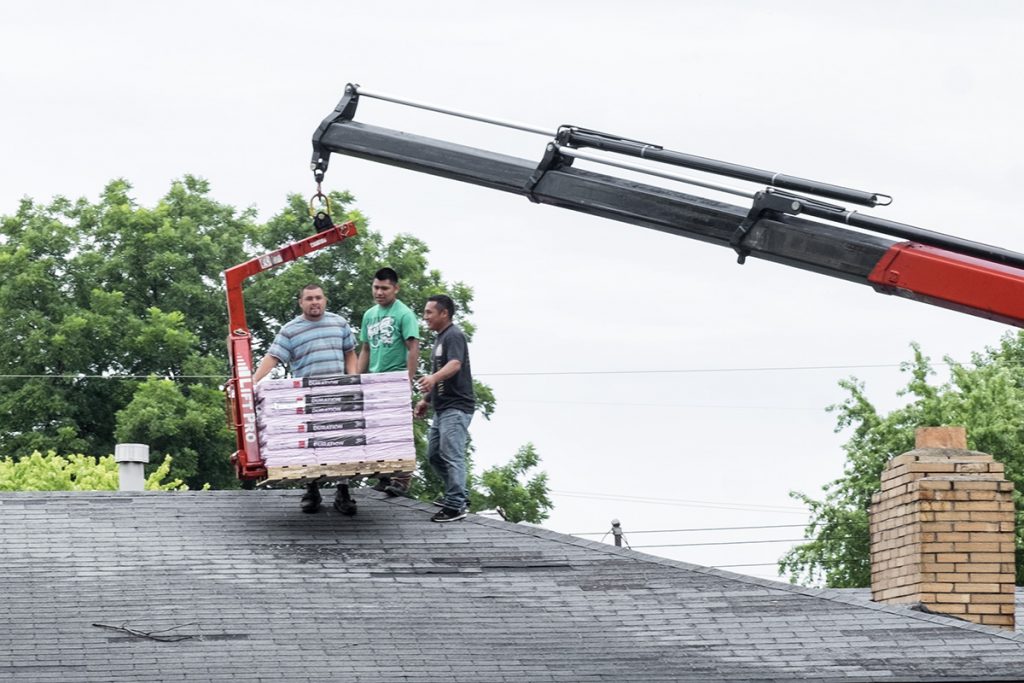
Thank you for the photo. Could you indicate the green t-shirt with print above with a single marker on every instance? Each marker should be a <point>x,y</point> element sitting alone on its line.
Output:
<point>385,330</point>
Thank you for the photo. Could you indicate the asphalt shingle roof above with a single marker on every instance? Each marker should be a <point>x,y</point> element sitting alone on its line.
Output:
<point>264,592</point>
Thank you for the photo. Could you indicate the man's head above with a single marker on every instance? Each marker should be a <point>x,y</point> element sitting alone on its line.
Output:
<point>438,312</point>
<point>312,302</point>
<point>385,287</point>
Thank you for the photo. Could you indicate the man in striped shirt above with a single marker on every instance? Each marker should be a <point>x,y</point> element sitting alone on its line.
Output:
<point>314,343</point>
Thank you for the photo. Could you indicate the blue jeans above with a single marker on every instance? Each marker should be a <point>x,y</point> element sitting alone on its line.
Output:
<point>446,452</point>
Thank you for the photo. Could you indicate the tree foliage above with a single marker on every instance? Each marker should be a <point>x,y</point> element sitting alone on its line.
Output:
<point>94,290</point>
<point>508,489</point>
<point>115,321</point>
<point>986,396</point>
<point>52,472</point>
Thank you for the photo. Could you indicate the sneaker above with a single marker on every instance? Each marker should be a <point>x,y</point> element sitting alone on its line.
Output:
<point>448,515</point>
<point>382,484</point>
<point>439,503</point>
<point>394,489</point>
<point>310,501</point>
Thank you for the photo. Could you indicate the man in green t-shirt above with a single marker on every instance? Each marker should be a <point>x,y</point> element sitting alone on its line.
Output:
<point>390,336</point>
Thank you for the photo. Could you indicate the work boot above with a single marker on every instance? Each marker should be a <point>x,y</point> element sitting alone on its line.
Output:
<point>343,501</point>
<point>396,489</point>
<point>310,501</point>
<point>382,484</point>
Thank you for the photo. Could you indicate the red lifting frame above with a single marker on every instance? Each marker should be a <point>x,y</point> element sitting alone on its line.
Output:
<point>951,280</point>
<point>241,399</point>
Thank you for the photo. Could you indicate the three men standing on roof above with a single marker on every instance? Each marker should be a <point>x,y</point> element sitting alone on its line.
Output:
<point>321,343</point>
<point>390,335</point>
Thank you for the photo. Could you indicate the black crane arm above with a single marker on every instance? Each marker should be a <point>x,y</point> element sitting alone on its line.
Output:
<point>927,266</point>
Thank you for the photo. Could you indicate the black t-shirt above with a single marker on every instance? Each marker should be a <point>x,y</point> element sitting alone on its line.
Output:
<point>457,390</point>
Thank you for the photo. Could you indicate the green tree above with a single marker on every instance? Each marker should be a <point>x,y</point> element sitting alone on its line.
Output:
<point>161,411</point>
<point>115,319</point>
<point>52,472</point>
<point>986,396</point>
<point>509,489</point>
<point>92,291</point>
<point>513,489</point>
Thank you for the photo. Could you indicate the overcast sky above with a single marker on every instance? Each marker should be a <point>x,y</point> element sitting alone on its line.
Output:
<point>920,100</point>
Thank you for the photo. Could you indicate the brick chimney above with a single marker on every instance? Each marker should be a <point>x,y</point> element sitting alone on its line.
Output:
<point>942,531</point>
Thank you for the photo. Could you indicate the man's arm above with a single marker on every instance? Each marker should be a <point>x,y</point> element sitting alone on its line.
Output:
<point>428,382</point>
<point>412,356</point>
<point>351,362</point>
<point>266,365</point>
<point>364,359</point>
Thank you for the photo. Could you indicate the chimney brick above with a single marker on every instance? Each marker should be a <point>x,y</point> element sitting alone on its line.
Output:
<point>941,437</point>
<point>942,530</point>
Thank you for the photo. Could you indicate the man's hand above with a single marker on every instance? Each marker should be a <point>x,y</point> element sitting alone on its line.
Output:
<point>420,411</point>
<point>426,383</point>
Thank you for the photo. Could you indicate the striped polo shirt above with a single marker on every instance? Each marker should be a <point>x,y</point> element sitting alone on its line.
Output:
<point>314,347</point>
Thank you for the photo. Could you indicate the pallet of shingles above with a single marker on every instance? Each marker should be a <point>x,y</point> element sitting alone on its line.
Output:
<point>337,426</point>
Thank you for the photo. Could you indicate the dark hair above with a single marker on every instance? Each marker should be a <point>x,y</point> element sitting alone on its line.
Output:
<point>311,285</point>
<point>386,274</point>
<point>445,302</point>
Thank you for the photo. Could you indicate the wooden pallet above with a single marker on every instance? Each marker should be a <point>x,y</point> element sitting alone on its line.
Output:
<point>304,474</point>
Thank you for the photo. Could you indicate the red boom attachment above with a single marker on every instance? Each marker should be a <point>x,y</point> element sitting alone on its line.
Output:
<point>951,280</point>
<point>241,399</point>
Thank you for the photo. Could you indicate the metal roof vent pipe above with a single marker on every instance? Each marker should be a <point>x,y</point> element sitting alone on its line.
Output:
<point>131,459</point>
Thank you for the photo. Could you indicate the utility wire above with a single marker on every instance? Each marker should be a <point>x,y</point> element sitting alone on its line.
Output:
<point>691,545</point>
<point>680,371</point>
<point>85,376</point>
<point>620,404</point>
<point>553,373</point>
<point>684,503</point>
<point>712,528</point>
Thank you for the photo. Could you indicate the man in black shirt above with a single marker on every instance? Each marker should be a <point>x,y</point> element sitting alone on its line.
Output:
<point>449,389</point>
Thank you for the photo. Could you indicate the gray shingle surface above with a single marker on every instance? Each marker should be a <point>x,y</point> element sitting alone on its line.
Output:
<point>267,593</point>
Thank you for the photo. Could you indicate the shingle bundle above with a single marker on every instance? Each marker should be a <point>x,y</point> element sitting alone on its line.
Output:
<point>335,419</point>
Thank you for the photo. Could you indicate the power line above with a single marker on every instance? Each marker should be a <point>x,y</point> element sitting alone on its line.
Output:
<point>681,371</point>
<point>721,543</point>
<point>620,404</point>
<point>86,376</point>
<point>552,373</point>
<point>713,528</point>
<point>749,564</point>
<point>685,503</point>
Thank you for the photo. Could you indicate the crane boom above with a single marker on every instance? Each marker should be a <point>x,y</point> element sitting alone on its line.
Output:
<point>926,266</point>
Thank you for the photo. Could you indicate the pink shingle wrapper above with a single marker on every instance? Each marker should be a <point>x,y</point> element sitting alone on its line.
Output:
<point>317,456</point>
<point>295,425</point>
<point>339,419</point>
<point>404,450</point>
<point>285,459</point>
<point>321,381</point>
<point>311,404</point>
<point>347,437</point>
<point>380,415</point>
<point>268,411</point>
<point>400,450</point>
<point>356,392</point>
<point>277,445</point>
